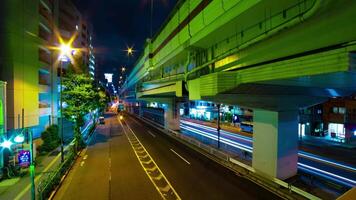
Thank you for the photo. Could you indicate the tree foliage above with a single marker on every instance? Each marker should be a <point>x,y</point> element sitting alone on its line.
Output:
<point>79,98</point>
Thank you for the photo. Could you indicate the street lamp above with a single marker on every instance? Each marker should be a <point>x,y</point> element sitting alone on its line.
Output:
<point>6,144</point>
<point>129,51</point>
<point>65,49</point>
<point>123,69</point>
<point>65,52</point>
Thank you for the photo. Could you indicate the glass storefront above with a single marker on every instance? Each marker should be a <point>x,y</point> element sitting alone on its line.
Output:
<point>336,130</point>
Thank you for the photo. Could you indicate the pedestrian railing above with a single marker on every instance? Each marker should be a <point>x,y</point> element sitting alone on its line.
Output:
<point>53,179</point>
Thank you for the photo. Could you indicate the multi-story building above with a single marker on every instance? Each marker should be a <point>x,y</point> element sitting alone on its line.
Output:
<point>333,120</point>
<point>28,63</point>
<point>19,60</point>
<point>92,70</point>
<point>311,121</point>
<point>340,118</point>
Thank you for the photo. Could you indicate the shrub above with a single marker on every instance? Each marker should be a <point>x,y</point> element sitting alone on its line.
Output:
<point>50,138</point>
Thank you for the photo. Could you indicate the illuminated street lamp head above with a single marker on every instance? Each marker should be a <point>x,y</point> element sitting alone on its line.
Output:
<point>123,69</point>
<point>65,49</point>
<point>129,51</point>
<point>6,144</point>
<point>19,138</point>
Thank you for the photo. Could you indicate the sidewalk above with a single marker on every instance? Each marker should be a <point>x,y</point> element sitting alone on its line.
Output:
<point>19,188</point>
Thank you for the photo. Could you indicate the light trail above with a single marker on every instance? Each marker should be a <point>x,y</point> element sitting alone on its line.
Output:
<point>301,166</point>
<point>300,153</point>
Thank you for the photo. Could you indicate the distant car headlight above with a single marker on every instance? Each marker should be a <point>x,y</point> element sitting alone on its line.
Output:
<point>121,117</point>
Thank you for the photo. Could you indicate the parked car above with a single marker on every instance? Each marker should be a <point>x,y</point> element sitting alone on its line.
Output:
<point>101,120</point>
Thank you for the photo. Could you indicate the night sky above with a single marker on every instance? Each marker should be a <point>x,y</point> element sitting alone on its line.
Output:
<point>118,24</point>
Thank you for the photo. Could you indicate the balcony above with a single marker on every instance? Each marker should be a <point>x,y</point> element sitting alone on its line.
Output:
<point>43,34</point>
<point>44,13</point>
<point>44,56</point>
<point>44,88</point>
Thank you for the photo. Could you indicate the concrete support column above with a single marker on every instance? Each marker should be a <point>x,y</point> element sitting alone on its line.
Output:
<point>140,109</point>
<point>275,143</point>
<point>171,115</point>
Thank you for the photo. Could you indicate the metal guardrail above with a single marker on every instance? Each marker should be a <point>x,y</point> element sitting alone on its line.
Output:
<point>275,185</point>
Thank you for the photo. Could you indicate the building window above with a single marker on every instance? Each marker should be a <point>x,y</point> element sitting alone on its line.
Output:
<point>339,110</point>
<point>335,110</point>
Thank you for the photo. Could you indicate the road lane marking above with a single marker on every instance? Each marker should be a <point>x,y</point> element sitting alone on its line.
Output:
<point>153,135</point>
<point>156,176</point>
<point>82,163</point>
<point>85,157</point>
<point>181,157</point>
<point>134,120</point>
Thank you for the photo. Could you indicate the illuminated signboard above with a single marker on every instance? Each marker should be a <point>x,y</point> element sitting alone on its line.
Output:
<point>108,77</point>
<point>24,158</point>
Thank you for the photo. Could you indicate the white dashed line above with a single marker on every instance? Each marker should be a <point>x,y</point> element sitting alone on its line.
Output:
<point>181,157</point>
<point>153,135</point>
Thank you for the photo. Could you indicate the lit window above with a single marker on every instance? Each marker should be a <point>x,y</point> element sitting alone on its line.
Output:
<point>335,110</point>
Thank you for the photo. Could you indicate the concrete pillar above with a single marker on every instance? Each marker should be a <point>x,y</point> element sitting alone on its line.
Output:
<point>171,115</point>
<point>275,143</point>
<point>140,109</point>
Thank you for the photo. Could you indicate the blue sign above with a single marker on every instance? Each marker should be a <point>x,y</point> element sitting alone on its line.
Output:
<point>236,119</point>
<point>24,158</point>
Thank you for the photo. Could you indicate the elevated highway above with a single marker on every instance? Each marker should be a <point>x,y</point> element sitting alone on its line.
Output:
<point>272,56</point>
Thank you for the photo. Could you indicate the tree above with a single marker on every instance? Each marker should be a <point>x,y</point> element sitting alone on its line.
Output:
<point>102,100</point>
<point>79,98</point>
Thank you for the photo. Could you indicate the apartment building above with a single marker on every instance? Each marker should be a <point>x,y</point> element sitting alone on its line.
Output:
<point>28,63</point>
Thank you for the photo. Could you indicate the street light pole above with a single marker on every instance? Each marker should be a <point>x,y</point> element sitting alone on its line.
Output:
<point>218,129</point>
<point>32,167</point>
<point>151,19</point>
<point>61,109</point>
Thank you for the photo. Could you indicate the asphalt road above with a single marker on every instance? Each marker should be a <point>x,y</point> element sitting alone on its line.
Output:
<point>113,168</point>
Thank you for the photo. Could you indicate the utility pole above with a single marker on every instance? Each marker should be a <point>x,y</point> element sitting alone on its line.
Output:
<point>151,20</point>
<point>218,129</point>
<point>61,109</point>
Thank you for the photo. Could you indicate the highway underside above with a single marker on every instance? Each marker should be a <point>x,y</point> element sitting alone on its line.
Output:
<point>129,160</point>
